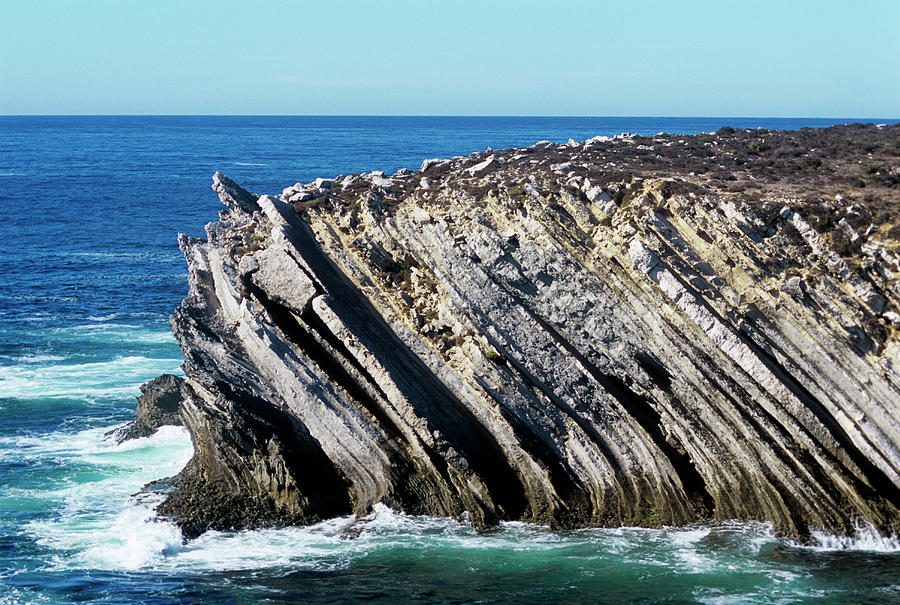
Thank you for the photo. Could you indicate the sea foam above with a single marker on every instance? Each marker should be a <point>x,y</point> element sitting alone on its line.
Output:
<point>98,521</point>
<point>118,377</point>
<point>865,538</point>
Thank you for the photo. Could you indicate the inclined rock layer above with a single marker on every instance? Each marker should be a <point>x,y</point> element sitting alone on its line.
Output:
<point>510,336</point>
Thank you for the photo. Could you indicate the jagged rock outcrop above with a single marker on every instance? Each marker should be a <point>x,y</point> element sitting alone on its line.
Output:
<point>158,405</point>
<point>598,333</point>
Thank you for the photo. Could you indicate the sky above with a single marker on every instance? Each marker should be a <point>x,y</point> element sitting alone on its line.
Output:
<point>786,58</point>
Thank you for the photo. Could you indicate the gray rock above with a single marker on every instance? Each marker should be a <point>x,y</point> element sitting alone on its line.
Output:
<point>282,279</point>
<point>158,405</point>
<point>480,167</point>
<point>431,163</point>
<point>300,196</point>
<point>248,264</point>
<point>232,195</point>
<point>420,216</point>
<point>381,182</point>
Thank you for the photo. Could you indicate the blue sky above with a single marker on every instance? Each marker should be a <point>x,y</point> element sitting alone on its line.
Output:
<point>461,57</point>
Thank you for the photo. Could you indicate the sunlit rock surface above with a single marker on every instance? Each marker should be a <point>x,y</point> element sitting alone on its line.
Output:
<point>628,331</point>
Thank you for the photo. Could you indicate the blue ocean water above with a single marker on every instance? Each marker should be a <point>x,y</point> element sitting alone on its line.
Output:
<point>89,273</point>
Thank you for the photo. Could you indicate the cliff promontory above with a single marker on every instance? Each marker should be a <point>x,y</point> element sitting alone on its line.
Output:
<point>621,331</point>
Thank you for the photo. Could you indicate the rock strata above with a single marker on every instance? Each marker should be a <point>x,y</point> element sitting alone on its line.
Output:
<point>625,331</point>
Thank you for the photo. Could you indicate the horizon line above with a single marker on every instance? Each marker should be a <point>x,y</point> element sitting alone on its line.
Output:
<point>361,115</point>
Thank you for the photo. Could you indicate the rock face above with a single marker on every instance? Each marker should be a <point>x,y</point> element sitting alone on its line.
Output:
<point>158,405</point>
<point>576,335</point>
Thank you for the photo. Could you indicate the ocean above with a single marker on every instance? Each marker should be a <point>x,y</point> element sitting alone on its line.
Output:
<point>90,272</point>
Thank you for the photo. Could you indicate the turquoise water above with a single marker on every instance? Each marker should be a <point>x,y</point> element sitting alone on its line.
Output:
<point>90,271</point>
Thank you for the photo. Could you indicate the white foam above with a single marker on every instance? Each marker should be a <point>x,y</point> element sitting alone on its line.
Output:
<point>97,522</point>
<point>317,547</point>
<point>98,446</point>
<point>97,326</point>
<point>385,519</point>
<point>99,525</point>
<point>103,317</point>
<point>119,377</point>
<point>116,332</point>
<point>323,546</point>
<point>135,539</point>
<point>21,595</point>
<point>154,338</point>
<point>36,358</point>
<point>865,538</point>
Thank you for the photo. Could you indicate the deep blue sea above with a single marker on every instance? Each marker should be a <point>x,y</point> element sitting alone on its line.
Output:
<point>90,271</point>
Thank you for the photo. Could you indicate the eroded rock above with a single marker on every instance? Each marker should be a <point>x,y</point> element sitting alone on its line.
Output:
<point>158,405</point>
<point>631,344</point>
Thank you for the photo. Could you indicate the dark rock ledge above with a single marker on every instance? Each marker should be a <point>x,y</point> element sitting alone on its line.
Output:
<point>627,331</point>
<point>158,405</point>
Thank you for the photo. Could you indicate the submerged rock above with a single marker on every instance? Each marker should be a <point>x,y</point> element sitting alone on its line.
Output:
<point>657,349</point>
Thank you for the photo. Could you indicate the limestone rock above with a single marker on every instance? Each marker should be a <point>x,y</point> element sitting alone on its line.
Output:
<point>383,183</point>
<point>420,215</point>
<point>431,163</point>
<point>480,166</point>
<point>633,344</point>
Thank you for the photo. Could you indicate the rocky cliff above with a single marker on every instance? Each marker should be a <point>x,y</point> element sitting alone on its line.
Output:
<point>626,331</point>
